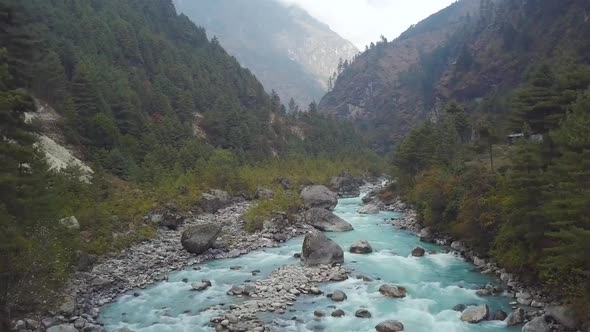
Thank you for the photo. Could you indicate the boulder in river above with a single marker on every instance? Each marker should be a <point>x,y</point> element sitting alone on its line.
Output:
<point>538,324</point>
<point>337,313</point>
<point>318,249</point>
<point>214,200</point>
<point>338,296</point>
<point>516,317</point>
<point>369,209</point>
<point>459,307</point>
<point>327,221</point>
<point>371,195</point>
<point>498,315</point>
<point>200,286</point>
<point>418,251</point>
<point>319,313</point>
<point>426,235</point>
<point>393,291</point>
<point>361,247</point>
<point>475,314</point>
<point>345,185</point>
<point>198,239</point>
<point>363,313</point>
<point>318,196</point>
<point>389,326</point>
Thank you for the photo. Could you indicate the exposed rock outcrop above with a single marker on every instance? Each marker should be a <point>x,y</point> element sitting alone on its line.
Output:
<point>369,209</point>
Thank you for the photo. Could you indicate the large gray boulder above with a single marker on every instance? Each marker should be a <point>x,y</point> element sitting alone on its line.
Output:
<point>327,221</point>
<point>318,197</point>
<point>516,317</point>
<point>538,324</point>
<point>361,247</point>
<point>198,239</point>
<point>345,185</point>
<point>62,328</point>
<point>564,315</point>
<point>371,195</point>
<point>319,249</point>
<point>475,314</point>
<point>393,291</point>
<point>389,326</point>
<point>214,200</point>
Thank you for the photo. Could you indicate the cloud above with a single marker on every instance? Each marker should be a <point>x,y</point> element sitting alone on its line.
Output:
<point>363,21</point>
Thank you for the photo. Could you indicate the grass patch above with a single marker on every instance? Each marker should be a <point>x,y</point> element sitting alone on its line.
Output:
<point>283,201</point>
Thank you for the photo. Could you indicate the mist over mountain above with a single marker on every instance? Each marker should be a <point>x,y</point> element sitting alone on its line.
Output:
<point>288,50</point>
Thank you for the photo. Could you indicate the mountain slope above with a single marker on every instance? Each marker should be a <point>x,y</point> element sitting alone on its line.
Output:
<point>286,48</point>
<point>469,52</point>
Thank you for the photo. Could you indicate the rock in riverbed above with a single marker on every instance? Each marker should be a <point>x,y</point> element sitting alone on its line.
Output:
<point>338,296</point>
<point>418,251</point>
<point>363,313</point>
<point>369,209</point>
<point>198,239</point>
<point>319,249</point>
<point>389,326</point>
<point>327,221</point>
<point>319,197</point>
<point>345,185</point>
<point>475,314</point>
<point>361,247</point>
<point>516,317</point>
<point>393,291</point>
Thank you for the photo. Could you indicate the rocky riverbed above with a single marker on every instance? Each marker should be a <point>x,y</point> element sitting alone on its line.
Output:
<point>150,262</point>
<point>532,307</point>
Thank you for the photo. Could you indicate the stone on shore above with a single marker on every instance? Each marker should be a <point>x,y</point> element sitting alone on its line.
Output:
<point>516,317</point>
<point>327,221</point>
<point>475,314</point>
<point>390,326</point>
<point>319,249</point>
<point>393,291</point>
<point>361,247</point>
<point>198,239</point>
<point>538,324</point>
<point>345,185</point>
<point>62,328</point>
<point>264,193</point>
<point>564,315</point>
<point>318,196</point>
<point>214,200</point>
<point>369,209</point>
<point>70,223</point>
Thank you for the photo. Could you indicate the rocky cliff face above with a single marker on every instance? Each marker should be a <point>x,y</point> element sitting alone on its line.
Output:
<point>468,52</point>
<point>286,48</point>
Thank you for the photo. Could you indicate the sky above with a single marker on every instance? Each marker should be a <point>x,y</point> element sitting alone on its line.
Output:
<point>364,21</point>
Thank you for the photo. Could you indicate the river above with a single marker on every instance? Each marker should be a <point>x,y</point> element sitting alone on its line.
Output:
<point>435,283</point>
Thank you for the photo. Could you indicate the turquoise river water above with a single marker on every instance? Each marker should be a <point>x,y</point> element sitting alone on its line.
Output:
<point>435,283</point>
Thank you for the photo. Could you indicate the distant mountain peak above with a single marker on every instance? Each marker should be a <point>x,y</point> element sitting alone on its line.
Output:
<point>289,51</point>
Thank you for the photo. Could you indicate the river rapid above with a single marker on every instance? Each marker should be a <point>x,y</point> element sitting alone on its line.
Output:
<point>435,283</point>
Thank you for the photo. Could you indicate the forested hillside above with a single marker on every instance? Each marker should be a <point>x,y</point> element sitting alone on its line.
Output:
<point>503,162</point>
<point>160,113</point>
<point>288,50</point>
<point>473,52</point>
